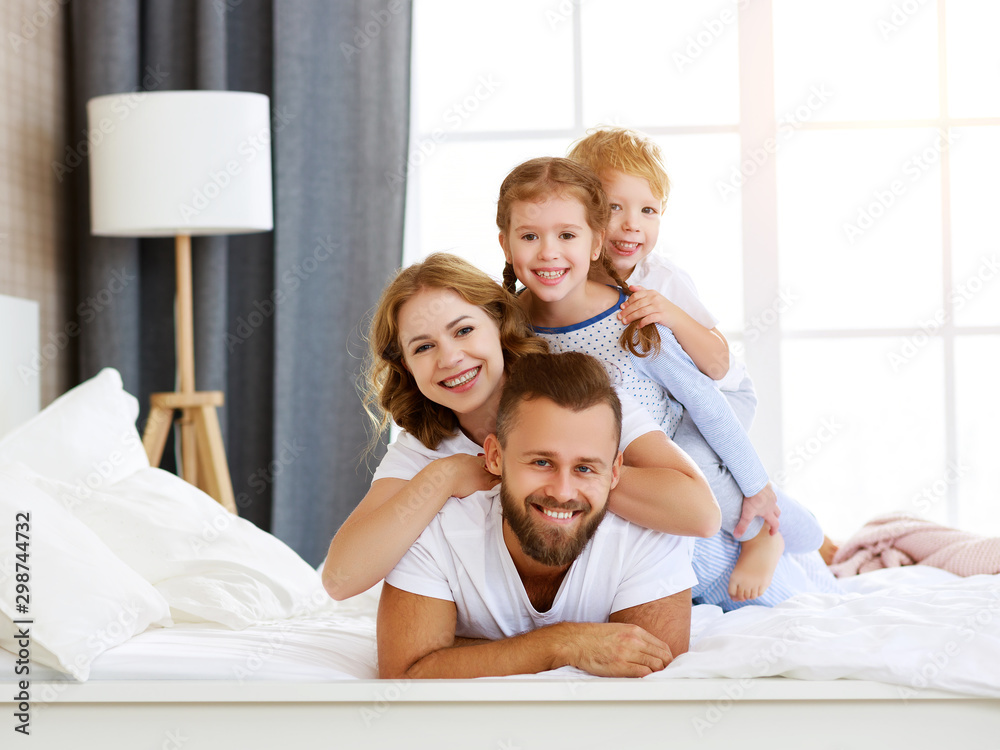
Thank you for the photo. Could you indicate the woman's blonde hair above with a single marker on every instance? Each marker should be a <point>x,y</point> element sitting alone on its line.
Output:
<point>389,390</point>
<point>550,176</point>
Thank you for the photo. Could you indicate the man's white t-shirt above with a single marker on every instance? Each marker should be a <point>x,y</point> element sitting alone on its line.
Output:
<point>406,455</point>
<point>666,277</point>
<point>462,557</point>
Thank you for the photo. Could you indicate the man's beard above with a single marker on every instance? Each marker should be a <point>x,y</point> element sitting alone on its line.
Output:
<point>549,546</point>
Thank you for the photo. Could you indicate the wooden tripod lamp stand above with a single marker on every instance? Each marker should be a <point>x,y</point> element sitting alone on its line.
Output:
<point>182,164</point>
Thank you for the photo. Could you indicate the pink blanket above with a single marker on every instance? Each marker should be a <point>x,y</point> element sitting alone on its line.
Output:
<point>898,539</point>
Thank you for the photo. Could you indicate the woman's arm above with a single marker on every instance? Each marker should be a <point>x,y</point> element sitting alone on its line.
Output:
<point>662,489</point>
<point>388,520</point>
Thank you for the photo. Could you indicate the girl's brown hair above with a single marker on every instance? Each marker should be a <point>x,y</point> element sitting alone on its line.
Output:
<point>389,390</point>
<point>548,176</point>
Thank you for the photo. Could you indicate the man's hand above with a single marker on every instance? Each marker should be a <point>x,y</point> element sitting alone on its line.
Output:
<point>416,639</point>
<point>647,306</point>
<point>763,504</point>
<point>611,649</point>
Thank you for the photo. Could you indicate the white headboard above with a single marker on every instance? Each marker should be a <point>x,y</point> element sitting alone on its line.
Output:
<point>19,379</point>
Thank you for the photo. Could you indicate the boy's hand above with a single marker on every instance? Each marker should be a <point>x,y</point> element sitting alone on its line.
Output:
<point>763,504</point>
<point>647,306</point>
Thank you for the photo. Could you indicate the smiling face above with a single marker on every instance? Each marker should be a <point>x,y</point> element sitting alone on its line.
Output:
<point>452,350</point>
<point>551,246</point>
<point>635,220</point>
<point>556,469</point>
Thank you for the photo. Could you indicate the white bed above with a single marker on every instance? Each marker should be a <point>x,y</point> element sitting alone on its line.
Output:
<point>911,655</point>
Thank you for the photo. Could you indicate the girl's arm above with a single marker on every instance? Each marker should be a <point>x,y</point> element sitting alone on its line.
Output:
<point>388,520</point>
<point>707,347</point>
<point>662,489</point>
<point>674,370</point>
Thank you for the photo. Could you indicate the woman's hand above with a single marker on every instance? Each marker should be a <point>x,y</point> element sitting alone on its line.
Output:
<point>465,474</point>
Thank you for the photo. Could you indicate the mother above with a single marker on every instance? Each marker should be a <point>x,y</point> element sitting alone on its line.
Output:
<point>440,338</point>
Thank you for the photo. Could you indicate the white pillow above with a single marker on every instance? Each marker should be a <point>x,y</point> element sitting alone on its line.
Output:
<point>86,437</point>
<point>210,565</point>
<point>82,600</point>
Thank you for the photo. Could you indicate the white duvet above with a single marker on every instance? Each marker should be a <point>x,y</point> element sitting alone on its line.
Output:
<point>913,627</point>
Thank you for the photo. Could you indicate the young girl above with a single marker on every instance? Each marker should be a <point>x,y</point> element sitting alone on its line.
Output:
<point>552,214</point>
<point>440,338</point>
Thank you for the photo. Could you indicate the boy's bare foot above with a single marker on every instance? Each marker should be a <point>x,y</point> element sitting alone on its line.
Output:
<point>827,550</point>
<point>755,566</point>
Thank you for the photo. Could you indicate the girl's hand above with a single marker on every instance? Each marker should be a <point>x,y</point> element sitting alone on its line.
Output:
<point>647,306</point>
<point>466,474</point>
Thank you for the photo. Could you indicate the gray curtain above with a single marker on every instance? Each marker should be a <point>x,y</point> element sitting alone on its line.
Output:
<point>278,316</point>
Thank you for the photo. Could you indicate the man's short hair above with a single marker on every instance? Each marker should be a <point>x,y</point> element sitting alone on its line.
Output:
<point>572,380</point>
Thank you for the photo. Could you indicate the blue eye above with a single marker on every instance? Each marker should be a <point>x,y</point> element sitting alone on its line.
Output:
<point>541,462</point>
<point>464,331</point>
<point>584,469</point>
<point>421,348</point>
<point>615,207</point>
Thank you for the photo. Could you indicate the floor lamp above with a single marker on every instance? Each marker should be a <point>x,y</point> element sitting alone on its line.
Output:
<point>182,164</point>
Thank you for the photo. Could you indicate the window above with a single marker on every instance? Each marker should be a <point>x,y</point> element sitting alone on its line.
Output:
<point>833,194</point>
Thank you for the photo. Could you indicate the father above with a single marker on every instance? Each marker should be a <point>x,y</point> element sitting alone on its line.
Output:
<point>531,575</point>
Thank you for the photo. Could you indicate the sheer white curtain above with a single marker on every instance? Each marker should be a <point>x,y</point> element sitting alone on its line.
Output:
<point>833,194</point>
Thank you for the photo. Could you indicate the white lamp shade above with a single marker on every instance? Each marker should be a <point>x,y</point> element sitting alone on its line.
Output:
<point>180,162</point>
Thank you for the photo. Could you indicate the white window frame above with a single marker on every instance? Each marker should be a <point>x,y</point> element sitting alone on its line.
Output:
<point>761,285</point>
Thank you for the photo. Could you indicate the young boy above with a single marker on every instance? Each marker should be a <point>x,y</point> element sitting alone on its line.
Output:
<point>635,180</point>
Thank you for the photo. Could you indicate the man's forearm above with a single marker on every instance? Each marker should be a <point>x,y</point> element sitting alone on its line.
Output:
<point>608,649</point>
<point>529,653</point>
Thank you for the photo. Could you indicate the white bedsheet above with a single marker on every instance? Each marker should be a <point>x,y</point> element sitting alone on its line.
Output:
<point>914,627</point>
<point>327,645</point>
